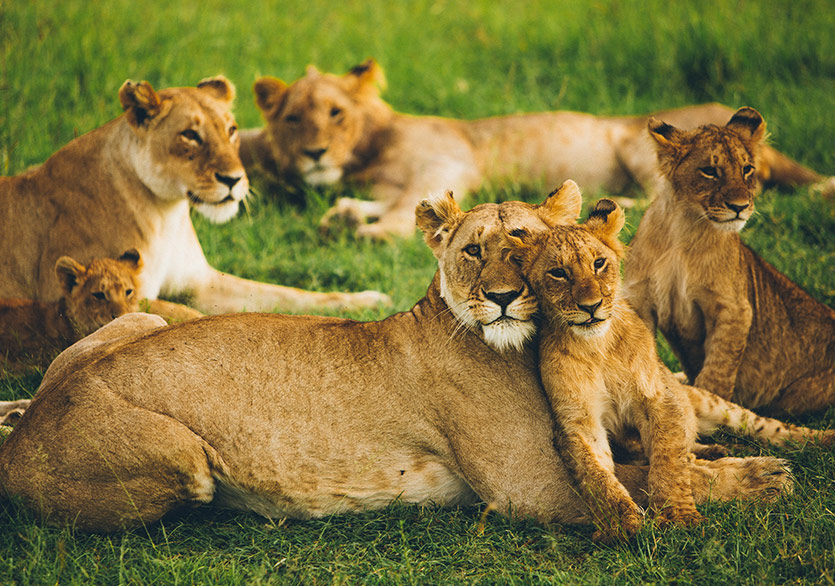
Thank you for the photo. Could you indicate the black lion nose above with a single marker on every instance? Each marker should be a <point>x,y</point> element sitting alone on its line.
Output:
<point>590,309</point>
<point>315,154</point>
<point>228,180</point>
<point>736,208</point>
<point>502,299</point>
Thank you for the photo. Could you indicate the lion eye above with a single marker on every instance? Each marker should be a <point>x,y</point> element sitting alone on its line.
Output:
<point>335,112</point>
<point>709,172</point>
<point>191,135</point>
<point>232,130</point>
<point>519,233</point>
<point>747,170</point>
<point>599,263</point>
<point>129,292</point>
<point>99,295</point>
<point>558,273</point>
<point>473,250</point>
<point>292,119</point>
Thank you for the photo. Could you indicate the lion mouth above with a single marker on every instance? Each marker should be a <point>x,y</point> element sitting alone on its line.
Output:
<point>589,322</point>
<point>196,200</point>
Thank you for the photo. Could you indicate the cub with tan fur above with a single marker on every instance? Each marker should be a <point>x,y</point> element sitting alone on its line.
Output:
<point>93,295</point>
<point>739,327</point>
<point>323,128</point>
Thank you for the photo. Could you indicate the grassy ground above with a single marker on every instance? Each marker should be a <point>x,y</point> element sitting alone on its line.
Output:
<point>61,64</point>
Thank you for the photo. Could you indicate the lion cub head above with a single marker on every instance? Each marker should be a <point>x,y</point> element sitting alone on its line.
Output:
<point>712,169</point>
<point>184,144</point>
<point>482,289</point>
<point>316,123</point>
<point>100,292</point>
<point>574,270</point>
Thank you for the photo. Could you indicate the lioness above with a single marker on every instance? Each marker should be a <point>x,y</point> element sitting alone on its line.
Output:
<point>92,295</point>
<point>129,184</point>
<point>739,327</point>
<point>348,416</point>
<point>324,127</point>
<point>602,376</point>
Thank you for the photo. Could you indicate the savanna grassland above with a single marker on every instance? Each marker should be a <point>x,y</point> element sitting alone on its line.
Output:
<point>62,62</point>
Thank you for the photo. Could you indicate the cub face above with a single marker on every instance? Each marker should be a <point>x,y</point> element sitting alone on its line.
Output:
<point>482,288</point>
<point>187,144</point>
<point>575,270</point>
<point>100,292</point>
<point>713,168</point>
<point>315,123</point>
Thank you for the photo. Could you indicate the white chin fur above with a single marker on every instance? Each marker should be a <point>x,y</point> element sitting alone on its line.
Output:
<point>595,331</point>
<point>218,213</point>
<point>732,226</point>
<point>327,176</point>
<point>508,334</point>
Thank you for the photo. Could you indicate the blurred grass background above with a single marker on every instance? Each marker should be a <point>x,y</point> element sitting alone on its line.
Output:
<point>62,62</point>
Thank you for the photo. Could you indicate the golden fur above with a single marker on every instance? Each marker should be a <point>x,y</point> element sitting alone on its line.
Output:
<point>324,127</point>
<point>602,376</point>
<point>739,327</point>
<point>309,416</point>
<point>129,184</point>
<point>35,331</point>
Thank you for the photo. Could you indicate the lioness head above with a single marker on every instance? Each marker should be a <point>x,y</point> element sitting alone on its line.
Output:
<point>574,270</point>
<point>100,292</point>
<point>483,290</point>
<point>713,168</point>
<point>315,123</point>
<point>185,144</point>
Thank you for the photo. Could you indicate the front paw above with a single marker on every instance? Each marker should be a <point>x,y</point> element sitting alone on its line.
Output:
<point>683,515</point>
<point>620,524</point>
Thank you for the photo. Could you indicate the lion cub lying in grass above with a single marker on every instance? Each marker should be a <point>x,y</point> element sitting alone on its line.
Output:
<point>601,373</point>
<point>93,295</point>
<point>739,327</point>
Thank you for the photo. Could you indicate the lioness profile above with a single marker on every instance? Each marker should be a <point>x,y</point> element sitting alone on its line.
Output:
<point>739,327</point>
<point>92,295</point>
<point>602,376</point>
<point>348,416</point>
<point>129,184</point>
<point>324,127</point>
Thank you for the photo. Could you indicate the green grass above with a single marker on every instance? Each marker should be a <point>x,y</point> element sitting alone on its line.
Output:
<point>61,64</point>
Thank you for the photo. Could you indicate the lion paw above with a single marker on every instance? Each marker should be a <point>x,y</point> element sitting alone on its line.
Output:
<point>685,516</point>
<point>621,529</point>
<point>367,299</point>
<point>762,477</point>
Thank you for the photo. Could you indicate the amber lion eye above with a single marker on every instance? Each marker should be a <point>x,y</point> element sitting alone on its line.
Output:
<point>191,135</point>
<point>747,170</point>
<point>709,172</point>
<point>599,263</point>
<point>99,295</point>
<point>292,119</point>
<point>473,250</point>
<point>558,273</point>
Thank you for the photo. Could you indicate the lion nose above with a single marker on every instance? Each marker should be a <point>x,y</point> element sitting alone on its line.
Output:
<point>736,208</point>
<point>502,299</point>
<point>315,154</point>
<point>590,309</point>
<point>228,180</point>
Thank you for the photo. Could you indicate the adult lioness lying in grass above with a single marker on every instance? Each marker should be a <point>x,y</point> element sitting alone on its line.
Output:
<point>309,416</point>
<point>602,376</point>
<point>324,127</point>
<point>129,184</point>
<point>739,327</point>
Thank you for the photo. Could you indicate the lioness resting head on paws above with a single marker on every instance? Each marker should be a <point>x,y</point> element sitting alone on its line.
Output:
<point>323,128</point>
<point>129,184</point>
<point>420,407</point>
<point>602,375</point>
<point>739,327</point>
<point>93,295</point>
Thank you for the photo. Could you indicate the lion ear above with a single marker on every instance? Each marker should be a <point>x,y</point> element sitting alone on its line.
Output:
<point>219,87</point>
<point>132,258</point>
<point>605,221</point>
<point>748,124</point>
<point>69,271</point>
<point>269,93</point>
<point>436,217</point>
<point>311,71</point>
<point>139,101</point>
<point>367,77</point>
<point>562,206</point>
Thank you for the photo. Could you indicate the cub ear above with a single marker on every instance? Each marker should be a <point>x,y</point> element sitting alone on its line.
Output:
<point>367,77</point>
<point>132,258</point>
<point>436,217</point>
<point>139,101</point>
<point>69,271</point>
<point>562,206</point>
<point>606,221</point>
<point>219,87</point>
<point>666,135</point>
<point>748,124</point>
<point>269,93</point>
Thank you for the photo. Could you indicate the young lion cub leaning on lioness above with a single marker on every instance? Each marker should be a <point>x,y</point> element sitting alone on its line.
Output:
<point>602,375</point>
<point>739,327</point>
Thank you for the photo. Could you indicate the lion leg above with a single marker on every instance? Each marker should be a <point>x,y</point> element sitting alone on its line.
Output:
<point>775,168</point>
<point>726,479</point>
<point>102,464</point>
<point>352,212</point>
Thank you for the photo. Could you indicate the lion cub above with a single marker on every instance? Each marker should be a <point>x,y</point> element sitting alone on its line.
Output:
<point>93,295</point>
<point>739,327</point>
